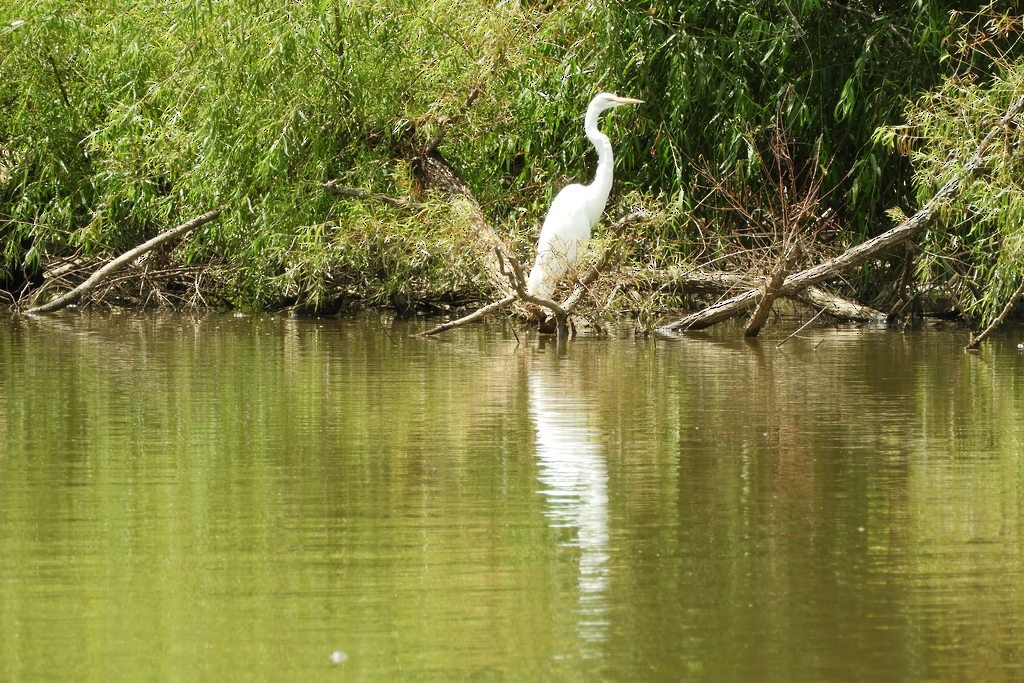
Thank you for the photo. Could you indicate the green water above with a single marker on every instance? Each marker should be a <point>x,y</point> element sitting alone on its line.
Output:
<point>221,498</point>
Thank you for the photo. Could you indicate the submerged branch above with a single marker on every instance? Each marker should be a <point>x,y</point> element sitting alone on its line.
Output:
<point>772,290</point>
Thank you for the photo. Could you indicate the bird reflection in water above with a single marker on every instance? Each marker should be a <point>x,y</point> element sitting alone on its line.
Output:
<point>574,480</point>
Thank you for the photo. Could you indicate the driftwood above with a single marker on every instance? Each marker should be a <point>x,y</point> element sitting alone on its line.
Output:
<point>121,261</point>
<point>518,280</point>
<point>859,254</point>
<point>723,282</point>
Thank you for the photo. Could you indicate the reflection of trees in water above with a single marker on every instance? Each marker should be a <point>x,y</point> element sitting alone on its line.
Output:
<point>574,479</point>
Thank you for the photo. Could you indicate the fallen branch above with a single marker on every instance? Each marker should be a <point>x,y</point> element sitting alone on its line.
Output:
<point>859,254</point>
<point>466,319</point>
<point>334,188</point>
<point>838,306</point>
<point>721,282</point>
<point>582,286</point>
<point>517,278</point>
<point>121,261</point>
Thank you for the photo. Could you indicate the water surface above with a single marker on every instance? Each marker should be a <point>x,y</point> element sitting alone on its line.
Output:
<point>222,498</point>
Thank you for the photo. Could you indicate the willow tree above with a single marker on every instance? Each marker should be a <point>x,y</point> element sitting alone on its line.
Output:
<point>975,252</point>
<point>121,122</point>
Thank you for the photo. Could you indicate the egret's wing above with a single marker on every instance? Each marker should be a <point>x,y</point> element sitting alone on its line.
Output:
<point>567,219</point>
<point>566,229</point>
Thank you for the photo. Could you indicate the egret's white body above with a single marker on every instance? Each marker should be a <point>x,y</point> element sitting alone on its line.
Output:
<point>576,209</point>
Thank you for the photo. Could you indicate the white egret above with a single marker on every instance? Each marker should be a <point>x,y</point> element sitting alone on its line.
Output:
<point>576,209</point>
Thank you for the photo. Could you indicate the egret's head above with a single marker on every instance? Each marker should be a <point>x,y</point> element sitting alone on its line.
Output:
<point>607,100</point>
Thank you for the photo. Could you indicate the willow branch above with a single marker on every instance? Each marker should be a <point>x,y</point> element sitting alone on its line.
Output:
<point>334,188</point>
<point>976,340</point>
<point>861,253</point>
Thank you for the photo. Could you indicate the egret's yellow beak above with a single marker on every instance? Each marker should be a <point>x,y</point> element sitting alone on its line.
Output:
<point>627,100</point>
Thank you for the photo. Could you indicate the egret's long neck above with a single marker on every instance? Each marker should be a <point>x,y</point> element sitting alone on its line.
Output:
<point>603,177</point>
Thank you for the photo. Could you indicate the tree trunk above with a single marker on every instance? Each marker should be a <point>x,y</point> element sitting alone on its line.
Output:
<point>436,172</point>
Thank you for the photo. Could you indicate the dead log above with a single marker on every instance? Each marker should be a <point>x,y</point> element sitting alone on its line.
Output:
<point>859,254</point>
<point>722,282</point>
<point>838,306</point>
<point>121,261</point>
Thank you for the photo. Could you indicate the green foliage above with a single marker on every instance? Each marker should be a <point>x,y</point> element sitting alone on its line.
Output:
<point>717,74</point>
<point>977,246</point>
<point>125,121</point>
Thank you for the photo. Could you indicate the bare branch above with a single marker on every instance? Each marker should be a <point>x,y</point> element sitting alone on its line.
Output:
<point>518,280</point>
<point>334,188</point>
<point>614,230</point>
<point>121,261</point>
<point>976,339</point>
<point>475,315</point>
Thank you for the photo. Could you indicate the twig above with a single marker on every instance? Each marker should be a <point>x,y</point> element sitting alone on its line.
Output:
<point>334,188</point>
<point>801,329</point>
<point>976,340</point>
